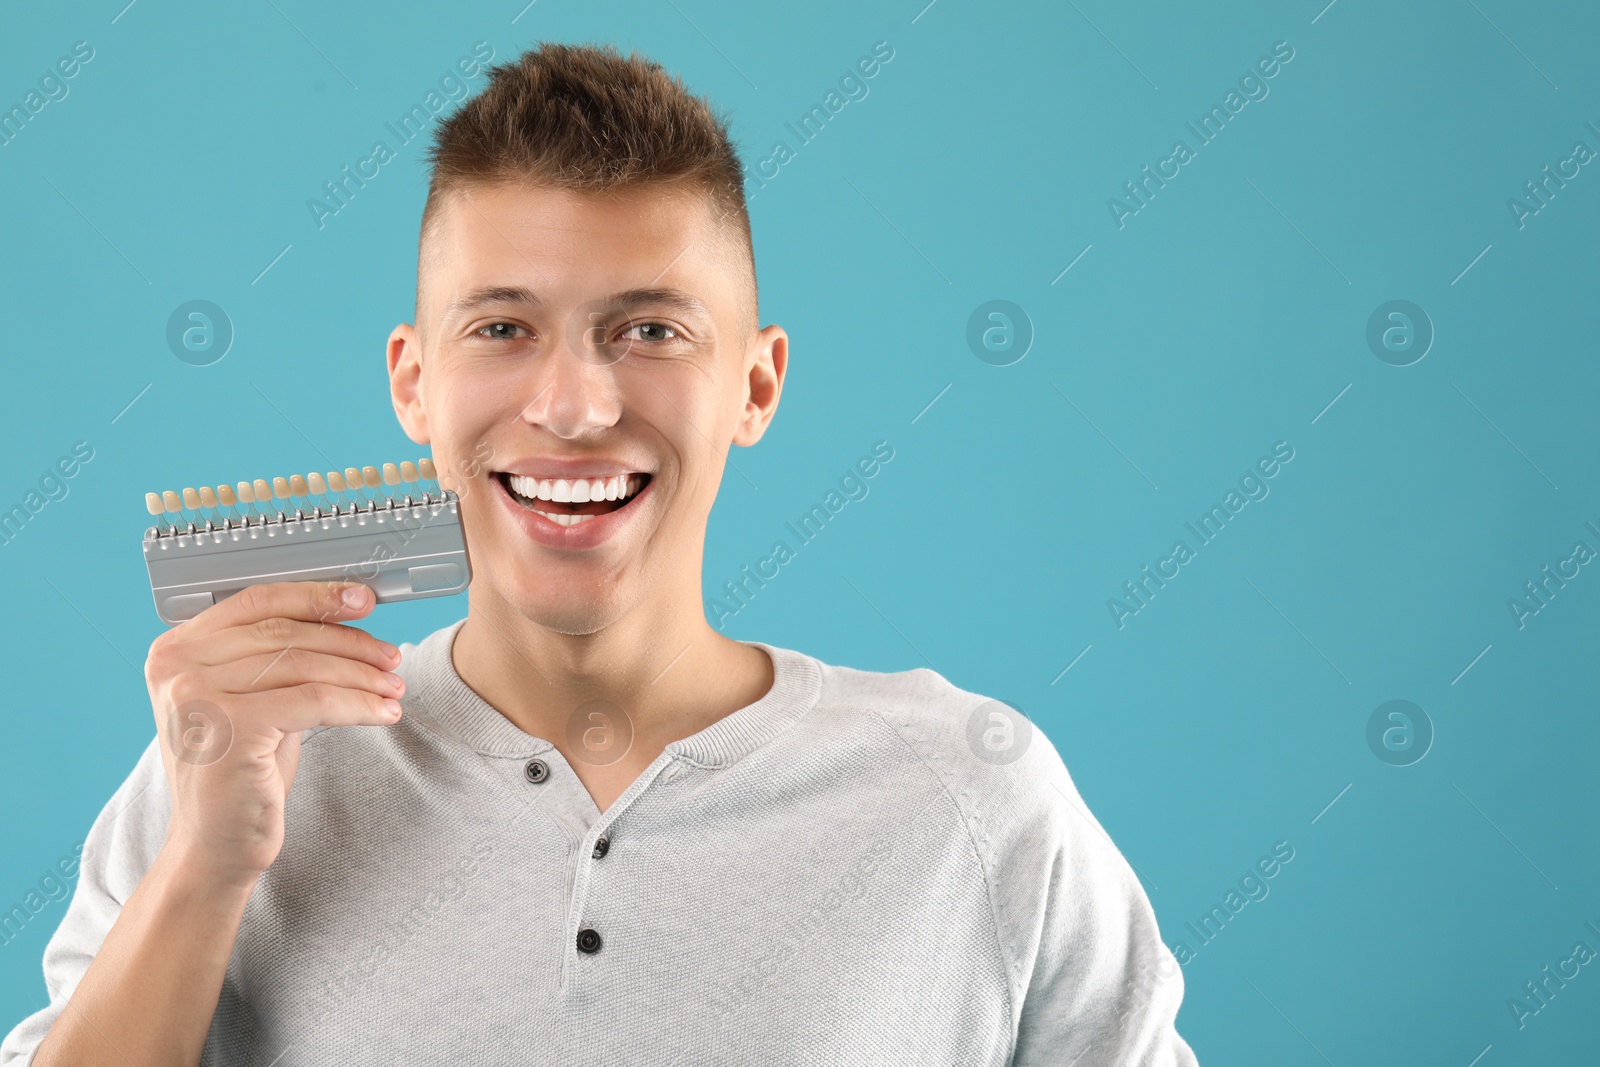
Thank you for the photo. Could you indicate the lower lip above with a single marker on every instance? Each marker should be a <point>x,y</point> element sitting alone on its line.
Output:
<point>586,534</point>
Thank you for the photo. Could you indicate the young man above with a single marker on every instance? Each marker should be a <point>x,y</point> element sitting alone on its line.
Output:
<point>600,832</point>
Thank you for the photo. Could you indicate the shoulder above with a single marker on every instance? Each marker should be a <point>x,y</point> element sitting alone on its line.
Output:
<point>132,826</point>
<point>1031,833</point>
<point>108,865</point>
<point>119,846</point>
<point>998,767</point>
<point>1043,857</point>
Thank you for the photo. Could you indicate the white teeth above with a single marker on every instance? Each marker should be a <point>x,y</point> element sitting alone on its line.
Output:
<point>565,520</point>
<point>575,491</point>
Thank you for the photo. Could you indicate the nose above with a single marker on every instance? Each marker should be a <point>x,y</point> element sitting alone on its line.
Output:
<point>573,393</point>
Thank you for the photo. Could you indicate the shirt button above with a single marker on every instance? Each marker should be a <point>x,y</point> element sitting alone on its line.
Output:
<point>602,845</point>
<point>536,771</point>
<point>588,941</point>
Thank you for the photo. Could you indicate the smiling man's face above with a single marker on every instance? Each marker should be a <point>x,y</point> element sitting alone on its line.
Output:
<point>573,345</point>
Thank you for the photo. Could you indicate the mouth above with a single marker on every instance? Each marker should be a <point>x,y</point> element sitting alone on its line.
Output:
<point>570,502</point>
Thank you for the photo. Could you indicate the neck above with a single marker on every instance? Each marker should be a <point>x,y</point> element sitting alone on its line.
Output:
<point>659,673</point>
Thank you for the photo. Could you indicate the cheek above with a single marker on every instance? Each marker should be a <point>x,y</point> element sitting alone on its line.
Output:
<point>464,408</point>
<point>692,413</point>
<point>465,422</point>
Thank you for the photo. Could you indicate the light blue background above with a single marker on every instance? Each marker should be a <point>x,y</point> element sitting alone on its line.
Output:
<point>1227,315</point>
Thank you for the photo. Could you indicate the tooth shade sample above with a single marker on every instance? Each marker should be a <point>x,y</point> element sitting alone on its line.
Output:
<point>296,491</point>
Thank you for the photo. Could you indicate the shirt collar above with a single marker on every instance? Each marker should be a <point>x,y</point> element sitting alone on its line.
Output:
<point>435,689</point>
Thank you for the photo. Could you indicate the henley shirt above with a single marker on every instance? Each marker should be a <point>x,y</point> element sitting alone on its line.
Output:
<point>834,874</point>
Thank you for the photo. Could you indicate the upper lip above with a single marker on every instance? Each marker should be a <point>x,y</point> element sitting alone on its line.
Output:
<point>543,468</point>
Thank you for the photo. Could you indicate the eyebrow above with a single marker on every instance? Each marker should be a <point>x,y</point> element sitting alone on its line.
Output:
<point>487,295</point>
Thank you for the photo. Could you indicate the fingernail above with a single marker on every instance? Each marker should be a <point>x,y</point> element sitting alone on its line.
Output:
<point>388,649</point>
<point>355,597</point>
<point>394,681</point>
<point>392,707</point>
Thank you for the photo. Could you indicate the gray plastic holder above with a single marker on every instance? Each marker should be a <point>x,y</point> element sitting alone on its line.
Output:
<point>402,550</point>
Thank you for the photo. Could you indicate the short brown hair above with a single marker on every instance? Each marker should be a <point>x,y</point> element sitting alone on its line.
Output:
<point>583,117</point>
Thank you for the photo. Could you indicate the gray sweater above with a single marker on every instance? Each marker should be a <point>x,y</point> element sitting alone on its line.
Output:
<point>858,868</point>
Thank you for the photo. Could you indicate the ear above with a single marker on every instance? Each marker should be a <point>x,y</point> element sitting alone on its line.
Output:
<point>765,365</point>
<point>405,382</point>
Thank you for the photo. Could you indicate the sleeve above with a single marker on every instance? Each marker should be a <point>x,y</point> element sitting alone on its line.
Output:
<point>1101,987</point>
<point>119,849</point>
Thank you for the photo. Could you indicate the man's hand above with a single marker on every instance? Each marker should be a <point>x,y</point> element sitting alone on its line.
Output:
<point>233,688</point>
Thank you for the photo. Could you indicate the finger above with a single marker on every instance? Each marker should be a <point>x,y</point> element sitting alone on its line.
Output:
<point>275,634</point>
<point>298,666</point>
<point>302,707</point>
<point>307,601</point>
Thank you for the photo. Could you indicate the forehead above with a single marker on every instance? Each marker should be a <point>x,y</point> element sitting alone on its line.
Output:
<point>570,244</point>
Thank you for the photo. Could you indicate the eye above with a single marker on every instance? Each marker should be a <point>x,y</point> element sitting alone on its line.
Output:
<point>657,327</point>
<point>498,331</point>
